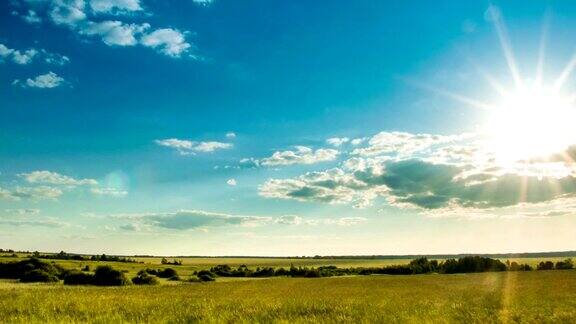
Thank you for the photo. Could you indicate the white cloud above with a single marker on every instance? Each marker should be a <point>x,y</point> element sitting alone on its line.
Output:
<point>289,220</point>
<point>31,17</point>
<point>186,147</point>
<point>203,2</point>
<point>331,186</point>
<point>114,32</point>
<point>67,12</point>
<point>302,155</point>
<point>199,219</point>
<point>115,6</point>
<point>73,14</point>
<point>231,182</point>
<point>27,56</point>
<point>113,192</point>
<point>43,81</point>
<point>401,143</point>
<point>41,223</point>
<point>231,135</point>
<point>36,193</point>
<point>54,178</point>
<point>23,211</point>
<point>54,58</point>
<point>346,221</point>
<point>24,57</point>
<point>337,141</point>
<point>167,40</point>
<point>358,141</point>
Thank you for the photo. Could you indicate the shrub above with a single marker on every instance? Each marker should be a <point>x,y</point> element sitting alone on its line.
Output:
<point>167,273</point>
<point>174,278</point>
<point>38,275</point>
<point>548,265</point>
<point>565,265</point>
<point>106,276</point>
<point>78,278</point>
<point>145,279</point>
<point>16,270</point>
<point>205,277</point>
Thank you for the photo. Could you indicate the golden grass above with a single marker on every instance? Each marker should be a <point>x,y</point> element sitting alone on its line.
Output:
<point>531,297</point>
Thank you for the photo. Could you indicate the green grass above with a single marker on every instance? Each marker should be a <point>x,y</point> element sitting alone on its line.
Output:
<point>531,297</point>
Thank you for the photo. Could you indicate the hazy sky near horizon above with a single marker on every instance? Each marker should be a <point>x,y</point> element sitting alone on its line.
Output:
<point>225,127</point>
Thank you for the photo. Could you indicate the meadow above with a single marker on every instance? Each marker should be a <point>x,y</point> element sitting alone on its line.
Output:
<point>507,297</point>
<point>523,297</point>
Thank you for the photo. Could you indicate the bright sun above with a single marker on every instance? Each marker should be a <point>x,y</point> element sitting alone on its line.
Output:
<point>531,122</point>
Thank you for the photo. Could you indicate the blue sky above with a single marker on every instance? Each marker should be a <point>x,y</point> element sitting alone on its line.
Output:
<point>283,128</point>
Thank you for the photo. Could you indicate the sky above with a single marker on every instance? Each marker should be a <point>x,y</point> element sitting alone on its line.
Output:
<point>282,128</point>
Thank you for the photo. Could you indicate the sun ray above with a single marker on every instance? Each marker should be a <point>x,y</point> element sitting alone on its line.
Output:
<point>502,32</point>
<point>542,49</point>
<point>455,96</point>
<point>559,83</point>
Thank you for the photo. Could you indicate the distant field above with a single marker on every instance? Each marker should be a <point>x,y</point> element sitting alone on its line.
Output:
<point>532,297</point>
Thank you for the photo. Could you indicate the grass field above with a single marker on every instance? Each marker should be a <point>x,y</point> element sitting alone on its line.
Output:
<point>531,297</point>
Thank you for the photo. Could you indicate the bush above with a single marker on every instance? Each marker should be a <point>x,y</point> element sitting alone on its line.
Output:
<point>565,265</point>
<point>548,265</point>
<point>205,277</point>
<point>38,275</point>
<point>174,278</point>
<point>167,273</point>
<point>145,279</point>
<point>106,276</point>
<point>78,278</point>
<point>16,270</point>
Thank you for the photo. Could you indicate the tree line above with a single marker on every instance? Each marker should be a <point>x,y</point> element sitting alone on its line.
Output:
<point>36,270</point>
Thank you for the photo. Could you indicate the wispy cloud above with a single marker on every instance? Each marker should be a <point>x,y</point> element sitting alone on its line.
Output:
<point>186,147</point>
<point>54,178</point>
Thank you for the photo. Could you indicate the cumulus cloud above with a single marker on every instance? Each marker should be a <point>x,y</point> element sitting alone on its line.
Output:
<point>230,135</point>
<point>114,32</point>
<point>171,42</point>
<point>401,143</point>
<point>54,178</point>
<point>186,147</point>
<point>302,155</point>
<point>43,81</point>
<point>31,17</point>
<point>418,184</point>
<point>337,141</point>
<point>24,57</point>
<point>231,182</point>
<point>432,173</point>
<point>81,17</point>
<point>67,12</point>
<point>115,6</point>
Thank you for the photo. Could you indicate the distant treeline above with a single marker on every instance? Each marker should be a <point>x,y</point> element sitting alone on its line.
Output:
<point>68,256</point>
<point>422,265</point>
<point>36,270</point>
